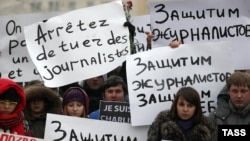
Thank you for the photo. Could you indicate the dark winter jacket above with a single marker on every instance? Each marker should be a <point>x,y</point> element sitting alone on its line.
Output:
<point>165,128</point>
<point>94,97</point>
<point>53,105</point>
<point>225,113</point>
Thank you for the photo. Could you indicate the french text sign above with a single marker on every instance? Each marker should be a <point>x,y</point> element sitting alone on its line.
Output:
<point>81,44</point>
<point>15,61</point>
<point>115,111</point>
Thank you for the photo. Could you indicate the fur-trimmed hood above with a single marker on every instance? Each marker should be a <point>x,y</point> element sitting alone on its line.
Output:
<point>165,128</point>
<point>52,99</point>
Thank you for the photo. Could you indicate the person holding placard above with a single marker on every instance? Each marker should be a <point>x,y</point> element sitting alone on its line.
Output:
<point>113,89</point>
<point>12,103</point>
<point>233,102</point>
<point>184,121</point>
<point>40,101</point>
<point>75,102</point>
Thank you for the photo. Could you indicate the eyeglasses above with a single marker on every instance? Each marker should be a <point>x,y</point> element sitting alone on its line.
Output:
<point>7,102</point>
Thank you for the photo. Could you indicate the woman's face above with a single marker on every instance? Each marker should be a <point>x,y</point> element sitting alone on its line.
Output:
<point>185,109</point>
<point>37,106</point>
<point>7,107</point>
<point>75,108</point>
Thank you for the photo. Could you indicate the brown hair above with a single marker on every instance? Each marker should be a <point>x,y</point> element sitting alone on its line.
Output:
<point>239,79</point>
<point>112,81</point>
<point>191,96</point>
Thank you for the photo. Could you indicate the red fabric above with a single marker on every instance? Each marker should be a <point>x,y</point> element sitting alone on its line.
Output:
<point>9,121</point>
<point>5,84</point>
<point>18,129</point>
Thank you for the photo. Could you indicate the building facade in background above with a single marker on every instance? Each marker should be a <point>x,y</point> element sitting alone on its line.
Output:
<point>12,7</point>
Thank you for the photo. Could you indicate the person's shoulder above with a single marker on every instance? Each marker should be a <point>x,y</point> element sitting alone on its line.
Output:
<point>163,115</point>
<point>94,114</point>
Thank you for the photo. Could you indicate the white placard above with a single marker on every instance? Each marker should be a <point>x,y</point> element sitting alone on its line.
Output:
<point>142,25</point>
<point>14,137</point>
<point>15,61</point>
<point>66,128</point>
<point>79,44</point>
<point>155,76</point>
<point>203,21</point>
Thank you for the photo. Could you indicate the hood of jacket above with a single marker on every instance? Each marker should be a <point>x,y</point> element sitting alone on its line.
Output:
<point>225,107</point>
<point>51,98</point>
<point>5,84</point>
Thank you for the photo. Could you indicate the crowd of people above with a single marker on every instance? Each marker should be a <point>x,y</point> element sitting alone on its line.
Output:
<point>23,109</point>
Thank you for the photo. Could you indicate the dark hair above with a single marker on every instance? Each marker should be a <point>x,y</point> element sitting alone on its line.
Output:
<point>191,96</point>
<point>113,81</point>
<point>10,94</point>
<point>239,79</point>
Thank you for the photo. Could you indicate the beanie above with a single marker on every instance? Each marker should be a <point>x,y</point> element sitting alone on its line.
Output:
<point>74,94</point>
<point>10,95</point>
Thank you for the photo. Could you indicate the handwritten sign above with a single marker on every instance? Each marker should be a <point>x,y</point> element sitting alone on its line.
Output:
<point>155,76</point>
<point>14,137</point>
<point>203,21</point>
<point>142,25</point>
<point>81,44</point>
<point>115,111</point>
<point>65,128</point>
<point>15,61</point>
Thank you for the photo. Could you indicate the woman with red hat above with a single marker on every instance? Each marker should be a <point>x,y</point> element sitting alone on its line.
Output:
<point>12,103</point>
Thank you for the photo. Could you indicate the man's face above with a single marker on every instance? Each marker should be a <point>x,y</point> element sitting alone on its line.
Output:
<point>240,96</point>
<point>95,82</point>
<point>115,93</point>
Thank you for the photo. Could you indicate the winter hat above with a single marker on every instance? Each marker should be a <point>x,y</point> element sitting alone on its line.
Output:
<point>10,95</point>
<point>76,94</point>
<point>73,95</point>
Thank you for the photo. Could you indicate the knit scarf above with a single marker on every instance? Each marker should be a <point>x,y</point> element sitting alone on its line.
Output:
<point>185,125</point>
<point>8,121</point>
